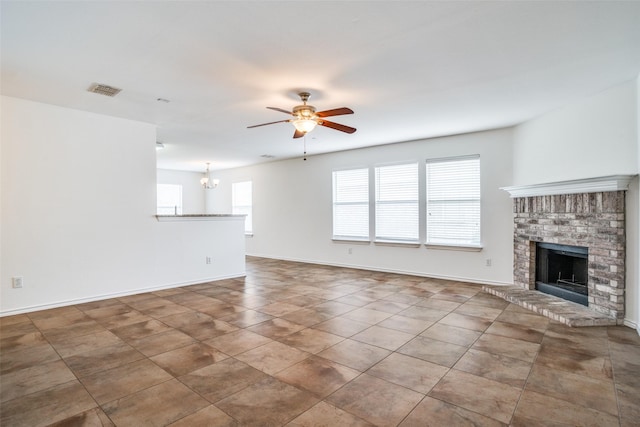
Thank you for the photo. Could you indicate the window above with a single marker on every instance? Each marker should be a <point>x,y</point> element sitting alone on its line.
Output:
<point>241,202</point>
<point>453,201</point>
<point>397,203</point>
<point>351,204</point>
<point>169,199</point>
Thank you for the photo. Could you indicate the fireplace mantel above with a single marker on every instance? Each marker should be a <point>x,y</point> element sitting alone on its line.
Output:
<point>589,185</point>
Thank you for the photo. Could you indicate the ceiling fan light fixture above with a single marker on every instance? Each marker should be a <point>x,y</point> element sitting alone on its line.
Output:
<point>304,125</point>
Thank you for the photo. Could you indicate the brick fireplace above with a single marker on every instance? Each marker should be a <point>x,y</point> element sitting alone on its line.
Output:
<point>589,214</point>
<point>592,220</point>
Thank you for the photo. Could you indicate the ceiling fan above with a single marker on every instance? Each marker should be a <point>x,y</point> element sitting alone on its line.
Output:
<point>305,117</point>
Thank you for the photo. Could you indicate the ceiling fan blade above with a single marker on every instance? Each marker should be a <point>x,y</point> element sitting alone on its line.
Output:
<point>298,134</point>
<point>336,126</point>
<point>270,123</point>
<point>334,112</point>
<point>280,109</point>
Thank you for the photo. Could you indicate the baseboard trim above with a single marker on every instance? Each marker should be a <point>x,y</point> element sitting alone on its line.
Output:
<point>66,303</point>
<point>394,271</point>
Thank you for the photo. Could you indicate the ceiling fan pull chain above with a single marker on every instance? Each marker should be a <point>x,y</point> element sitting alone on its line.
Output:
<point>305,148</point>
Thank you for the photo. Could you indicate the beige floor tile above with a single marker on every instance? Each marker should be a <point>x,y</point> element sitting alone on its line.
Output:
<point>376,401</point>
<point>378,336</point>
<point>628,401</point>
<point>317,375</point>
<point>341,326</point>
<point>441,353</point>
<point>209,416</point>
<point>334,308</point>
<point>325,415</point>
<point>355,354</point>
<point>75,345</point>
<point>519,332</point>
<point>574,388</point>
<point>623,335</point>
<point>516,315</point>
<point>187,359</point>
<point>54,404</point>
<point>307,317</point>
<point>311,340</point>
<point>219,380</point>
<point>405,324</point>
<point>366,315</point>
<point>140,330</point>
<point>247,318</point>
<point>452,334</point>
<point>267,403</point>
<point>597,367</point>
<point>279,308</point>
<point>238,342</point>
<point>276,328</point>
<point>162,342</point>
<point>410,372</point>
<point>74,330</point>
<point>424,313</point>
<point>92,418</point>
<point>12,320</point>
<point>495,367</point>
<point>27,357</point>
<point>486,397</point>
<point>40,377</point>
<point>356,300</point>
<point>101,359</point>
<point>273,357</point>
<point>478,310</point>
<point>510,347</point>
<point>436,413</point>
<point>466,322</point>
<point>546,410</point>
<point>472,349</point>
<point>154,406</point>
<point>123,380</point>
<point>438,304</point>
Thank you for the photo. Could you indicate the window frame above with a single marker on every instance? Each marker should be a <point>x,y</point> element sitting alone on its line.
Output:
<point>462,245</point>
<point>378,203</point>
<point>237,209</point>
<point>334,182</point>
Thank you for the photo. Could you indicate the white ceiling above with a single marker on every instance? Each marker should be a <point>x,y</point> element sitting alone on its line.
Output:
<point>409,70</point>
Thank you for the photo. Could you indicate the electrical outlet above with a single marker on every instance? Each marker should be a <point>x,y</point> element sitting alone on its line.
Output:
<point>16,282</point>
<point>208,260</point>
<point>488,262</point>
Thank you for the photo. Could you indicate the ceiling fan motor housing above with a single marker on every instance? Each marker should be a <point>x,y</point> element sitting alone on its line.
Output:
<point>304,111</point>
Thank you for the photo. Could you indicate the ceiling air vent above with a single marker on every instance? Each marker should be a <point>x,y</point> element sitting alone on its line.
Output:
<point>104,90</point>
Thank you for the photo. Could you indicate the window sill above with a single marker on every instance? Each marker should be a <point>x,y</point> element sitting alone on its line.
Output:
<point>465,248</point>
<point>350,241</point>
<point>397,243</point>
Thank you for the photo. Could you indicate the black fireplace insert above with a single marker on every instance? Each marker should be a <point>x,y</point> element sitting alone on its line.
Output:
<point>561,270</point>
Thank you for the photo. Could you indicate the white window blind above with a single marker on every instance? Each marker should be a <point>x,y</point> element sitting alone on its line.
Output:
<point>169,199</point>
<point>351,204</point>
<point>453,201</point>
<point>242,202</point>
<point>397,211</point>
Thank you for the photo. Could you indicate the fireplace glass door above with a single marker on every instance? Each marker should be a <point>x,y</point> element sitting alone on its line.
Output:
<point>561,270</point>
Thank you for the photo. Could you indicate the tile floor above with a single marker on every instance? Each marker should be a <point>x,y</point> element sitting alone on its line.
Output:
<point>307,345</point>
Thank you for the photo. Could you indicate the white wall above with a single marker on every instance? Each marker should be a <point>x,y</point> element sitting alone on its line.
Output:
<point>593,137</point>
<point>292,212</point>
<point>78,206</point>
<point>193,195</point>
